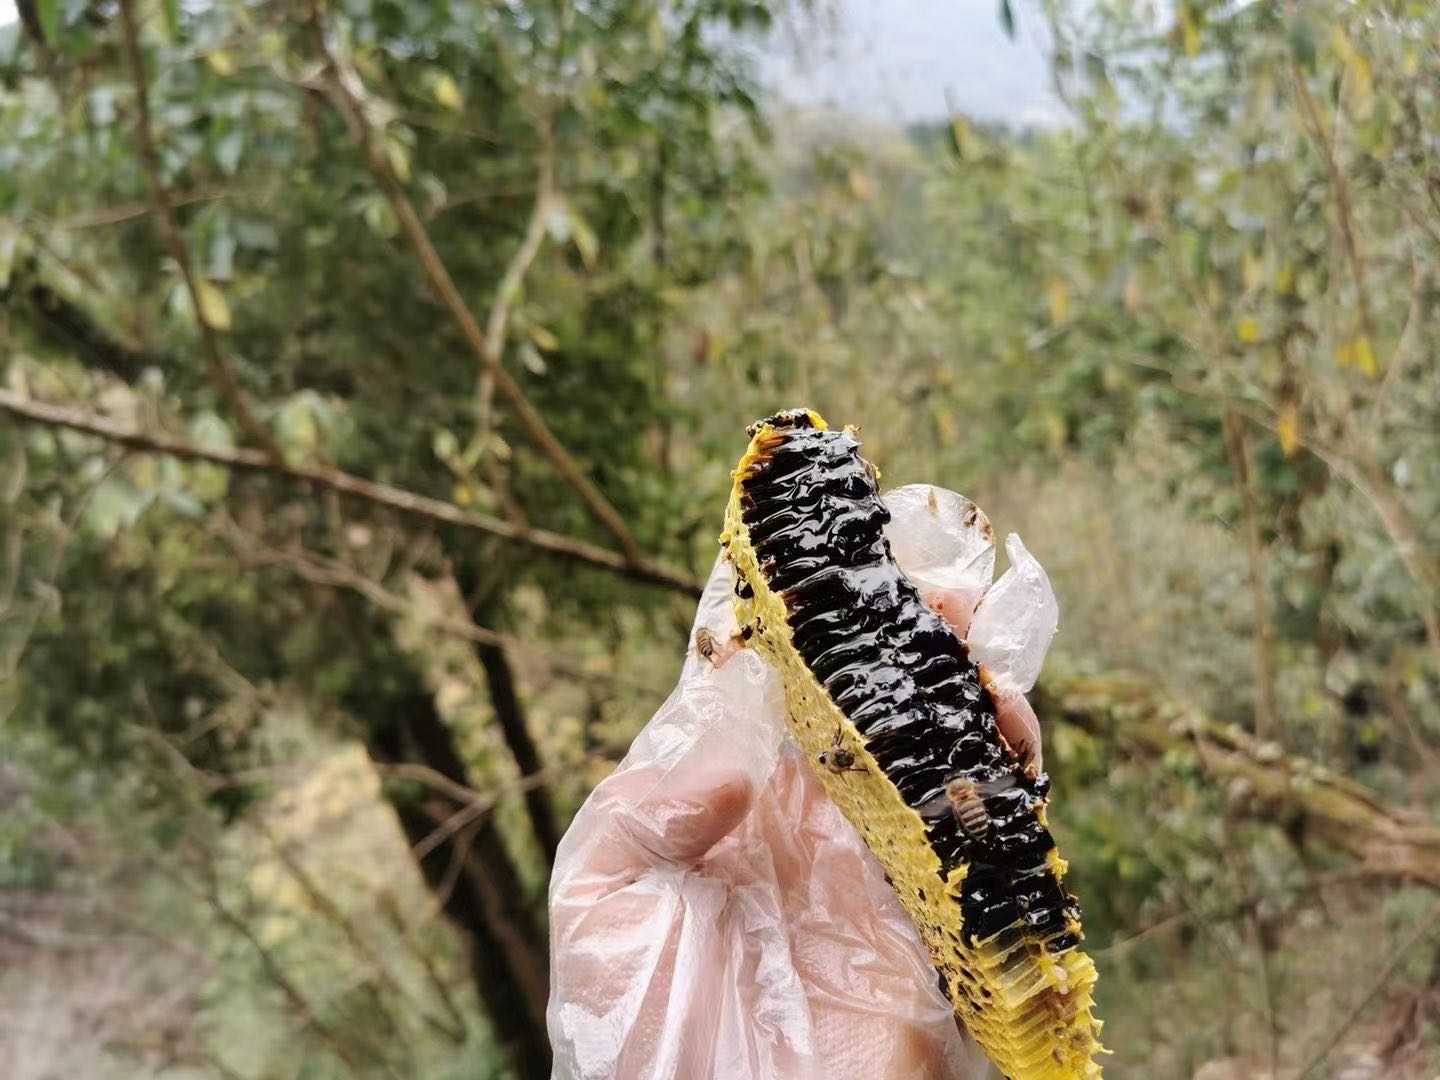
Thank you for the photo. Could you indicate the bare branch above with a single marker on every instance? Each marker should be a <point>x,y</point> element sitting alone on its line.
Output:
<point>1402,952</point>
<point>330,573</point>
<point>1347,816</point>
<point>397,499</point>
<point>1239,454</point>
<point>116,215</point>
<point>342,84</point>
<point>513,279</point>
<point>220,373</point>
<point>1341,193</point>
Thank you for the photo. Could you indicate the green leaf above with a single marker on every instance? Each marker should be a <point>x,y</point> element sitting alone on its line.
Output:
<point>9,243</point>
<point>586,241</point>
<point>531,359</point>
<point>398,154</point>
<point>1007,19</point>
<point>543,338</point>
<point>1302,42</point>
<point>49,14</point>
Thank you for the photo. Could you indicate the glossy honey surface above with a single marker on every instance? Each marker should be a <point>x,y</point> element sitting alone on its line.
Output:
<point>868,667</point>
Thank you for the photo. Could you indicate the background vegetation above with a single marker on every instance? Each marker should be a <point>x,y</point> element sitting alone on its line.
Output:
<point>370,374</point>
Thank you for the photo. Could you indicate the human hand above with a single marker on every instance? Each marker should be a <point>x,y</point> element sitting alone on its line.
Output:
<point>714,915</point>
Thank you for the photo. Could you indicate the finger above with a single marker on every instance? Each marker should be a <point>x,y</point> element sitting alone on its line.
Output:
<point>1020,727</point>
<point>689,778</point>
<point>654,819</point>
<point>634,944</point>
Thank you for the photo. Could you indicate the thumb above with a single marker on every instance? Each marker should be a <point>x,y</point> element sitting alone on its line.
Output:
<point>692,774</point>
<point>671,818</point>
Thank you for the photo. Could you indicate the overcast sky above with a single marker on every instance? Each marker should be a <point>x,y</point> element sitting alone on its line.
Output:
<point>896,59</point>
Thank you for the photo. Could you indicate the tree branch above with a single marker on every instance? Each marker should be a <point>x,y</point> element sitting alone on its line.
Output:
<point>513,279</point>
<point>1331,808</point>
<point>397,499</point>
<point>1401,953</point>
<point>1341,192</point>
<point>220,374</point>
<point>342,84</point>
<point>329,573</point>
<point>1357,469</point>
<point>1239,454</point>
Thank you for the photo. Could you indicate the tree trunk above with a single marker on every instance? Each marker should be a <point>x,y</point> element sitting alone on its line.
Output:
<point>508,712</point>
<point>472,873</point>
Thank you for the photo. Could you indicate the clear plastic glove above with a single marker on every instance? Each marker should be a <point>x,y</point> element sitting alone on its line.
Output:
<point>712,914</point>
<point>946,547</point>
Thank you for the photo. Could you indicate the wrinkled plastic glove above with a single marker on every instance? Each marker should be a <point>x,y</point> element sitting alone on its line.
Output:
<point>712,914</point>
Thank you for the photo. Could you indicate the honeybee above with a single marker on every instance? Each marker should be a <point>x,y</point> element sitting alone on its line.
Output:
<point>715,649</point>
<point>965,798</point>
<point>838,759</point>
<point>705,643</point>
<point>969,806</point>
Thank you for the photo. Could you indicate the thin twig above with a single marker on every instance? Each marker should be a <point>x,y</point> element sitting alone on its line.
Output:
<point>1341,192</point>
<point>1357,470</point>
<point>393,498</point>
<point>220,373</point>
<point>1408,334</point>
<point>476,804</point>
<point>1397,958</point>
<point>117,215</point>
<point>274,971</point>
<point>343,83</point>
<point>514,278</point>
<point>1239,454</point>
<point>329,573</point>
<point>359,942</point>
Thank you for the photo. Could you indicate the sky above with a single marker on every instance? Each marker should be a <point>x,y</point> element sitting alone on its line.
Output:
<point>897,60</point>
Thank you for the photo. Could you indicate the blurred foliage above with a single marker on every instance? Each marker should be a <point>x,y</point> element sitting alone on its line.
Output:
<point>1185,343</point>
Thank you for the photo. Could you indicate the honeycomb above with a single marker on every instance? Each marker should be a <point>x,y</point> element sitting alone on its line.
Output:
<point>870,670</point>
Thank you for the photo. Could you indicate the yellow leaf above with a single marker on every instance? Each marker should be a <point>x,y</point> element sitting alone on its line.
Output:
<point>447,94</point>
<point>946,425</point>
<point>1058,296</point>
<point>960,128</point>
<point>399,158</point>
<point>1288,429</point>
<point>213,310</point>
<point>860,184</point>
<point>1345,354</point>
<point>220,62</point>
<point>1339,42</point>
<point>1190,30</point>
<point>1250,270</point>
<point>543,338</point>
<point>1248,329</point>
<point>462,495</point>
<point>1365,356</point>
<point>1285,280</point>
<point>1360,86</point>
